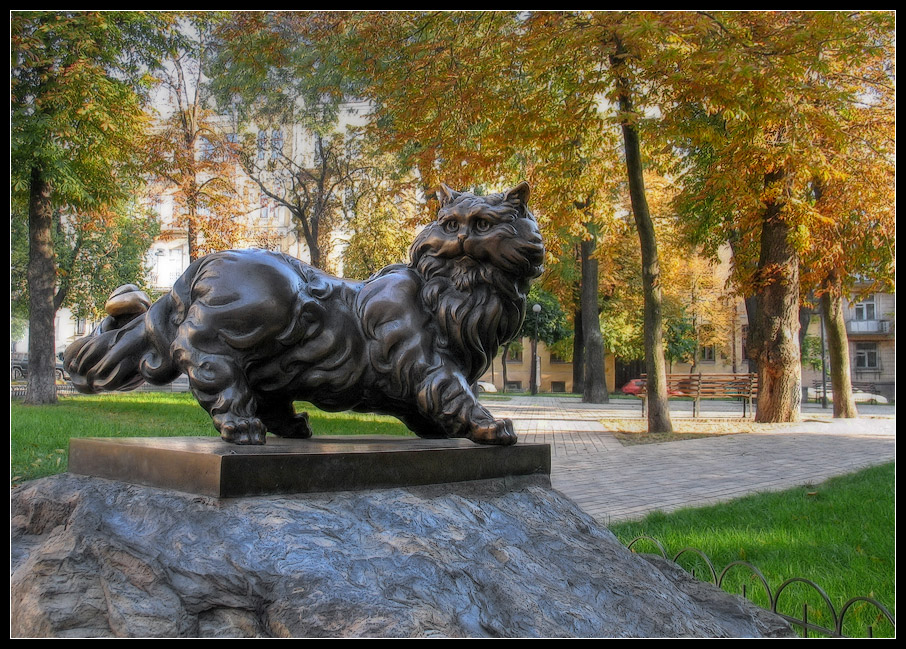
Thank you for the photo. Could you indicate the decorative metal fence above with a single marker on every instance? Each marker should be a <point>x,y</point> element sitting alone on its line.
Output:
<point>17,390</point>
<point>774,597</point>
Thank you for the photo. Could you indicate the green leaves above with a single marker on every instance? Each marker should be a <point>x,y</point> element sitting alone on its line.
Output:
<point>76,109</point>
<point>550,324</point>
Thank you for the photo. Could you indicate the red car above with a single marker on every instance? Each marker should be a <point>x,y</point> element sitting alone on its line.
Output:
<point>635,388</point>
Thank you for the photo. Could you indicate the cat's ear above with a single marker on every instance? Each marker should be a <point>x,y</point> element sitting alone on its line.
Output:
<point>518,194</point>
<point>445,195</point>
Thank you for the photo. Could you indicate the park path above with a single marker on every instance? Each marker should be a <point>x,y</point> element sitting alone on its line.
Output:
<point>612,482</point>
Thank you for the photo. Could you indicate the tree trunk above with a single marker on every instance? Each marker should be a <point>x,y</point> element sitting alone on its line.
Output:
<point>838,346</point>
<point>192,236</point>
<point>314,252</point>
<point>655,363</point>
<point>191,221</point>
<point>506,353</point>
<point>750,306</point>
<point>775,337</point>
<point>805,317</point>
<point>41,288</point>
<point>595,388</point>
<point>578,354</point>
<point>533,373</point>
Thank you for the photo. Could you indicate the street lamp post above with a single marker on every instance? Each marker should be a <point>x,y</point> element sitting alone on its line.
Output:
<point>823,364</point>
<point>536,309</point>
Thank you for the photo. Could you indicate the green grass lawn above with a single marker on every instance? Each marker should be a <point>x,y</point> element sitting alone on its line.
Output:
<point>839,534</point>
<point>39,435</point>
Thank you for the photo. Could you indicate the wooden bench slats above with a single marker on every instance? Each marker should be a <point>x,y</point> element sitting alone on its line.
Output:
<point>709,386</point>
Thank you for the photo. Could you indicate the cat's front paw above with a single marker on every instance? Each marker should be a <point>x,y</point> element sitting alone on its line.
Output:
<point>241,430</point>
<point>499,432</point>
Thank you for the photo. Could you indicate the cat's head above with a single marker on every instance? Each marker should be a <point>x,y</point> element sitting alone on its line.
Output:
<point>474,232</point>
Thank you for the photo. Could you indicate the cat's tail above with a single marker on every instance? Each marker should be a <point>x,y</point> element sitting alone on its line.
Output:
<point>131,345</point>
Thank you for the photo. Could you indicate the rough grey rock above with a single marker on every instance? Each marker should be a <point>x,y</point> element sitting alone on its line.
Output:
<point>509,558</point>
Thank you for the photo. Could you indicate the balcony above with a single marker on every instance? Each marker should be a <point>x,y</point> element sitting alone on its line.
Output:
<point>873,328</point>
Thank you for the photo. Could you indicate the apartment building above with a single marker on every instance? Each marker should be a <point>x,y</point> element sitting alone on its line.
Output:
<point>871,332</point>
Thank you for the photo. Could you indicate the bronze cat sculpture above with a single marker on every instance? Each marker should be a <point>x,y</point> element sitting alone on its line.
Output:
<point>256,330</point>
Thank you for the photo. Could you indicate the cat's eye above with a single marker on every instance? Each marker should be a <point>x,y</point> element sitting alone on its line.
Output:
<point>450,226</point>
<point>482,225</point>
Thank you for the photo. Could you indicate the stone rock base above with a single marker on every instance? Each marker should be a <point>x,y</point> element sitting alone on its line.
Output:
<point>501,558</point>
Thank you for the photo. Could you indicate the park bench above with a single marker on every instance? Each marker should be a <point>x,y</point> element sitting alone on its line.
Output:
<point>861,386</point>
<point>709,386</point>
<point>865,387</point>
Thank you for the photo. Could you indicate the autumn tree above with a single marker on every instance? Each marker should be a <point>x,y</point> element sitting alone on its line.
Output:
<point>76,121</point>
<point>697,305</point>
<point>621,53</point>
<point>696,311</point>
<point>852,249</point>
<point>315,186</point>
<point>480,99</point>
<point>852,240</point>
<point>770,104</point>
<point>614,304</point>
<point>193,147</point>
<point>277,72</point>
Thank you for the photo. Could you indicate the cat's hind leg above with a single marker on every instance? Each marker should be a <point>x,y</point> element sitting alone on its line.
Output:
<point>423,426</point>
<point>281,419</point>
<point>221,389</point>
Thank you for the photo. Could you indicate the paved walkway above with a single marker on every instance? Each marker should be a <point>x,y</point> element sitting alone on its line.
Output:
<point>612,482</point>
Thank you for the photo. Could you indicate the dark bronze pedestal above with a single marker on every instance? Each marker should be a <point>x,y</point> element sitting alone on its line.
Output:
<point>208,466</point>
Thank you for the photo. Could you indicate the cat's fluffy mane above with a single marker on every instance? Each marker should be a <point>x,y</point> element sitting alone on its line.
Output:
<point>480,304</point>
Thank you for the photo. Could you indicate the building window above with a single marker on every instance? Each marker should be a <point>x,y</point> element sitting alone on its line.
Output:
<point>556,359</point>
<point>515,386</point>
<point>865,310</point>
<point>706,354</point>
<point>206,148</point>
<point>265,207</point>
<point>262,145</point>
<point>866,356</point>
<point>514,356</point>
<point>80,326</point>
<point>276,144</point>
<point>558,386</point>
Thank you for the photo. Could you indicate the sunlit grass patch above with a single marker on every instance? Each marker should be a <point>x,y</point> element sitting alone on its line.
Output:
<point>839,534</point>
